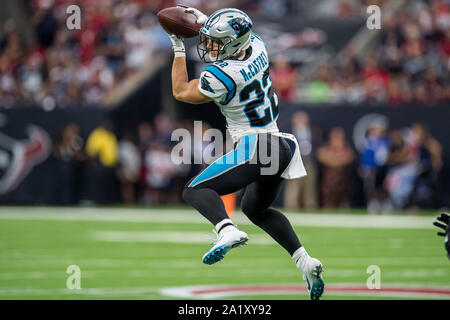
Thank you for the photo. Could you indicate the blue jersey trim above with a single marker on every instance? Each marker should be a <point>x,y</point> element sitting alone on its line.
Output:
<point>258,37</point>
<point>227,81</point>
<point>243,152</point>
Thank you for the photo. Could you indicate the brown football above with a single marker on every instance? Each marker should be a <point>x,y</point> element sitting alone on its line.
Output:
<point>175,20</point>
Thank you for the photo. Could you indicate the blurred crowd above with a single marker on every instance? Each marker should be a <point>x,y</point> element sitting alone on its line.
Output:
<point>135,168</point>
<point>276,9</point>
<point>410,64</point>
<point>396,169</point>
<point>58,67</point>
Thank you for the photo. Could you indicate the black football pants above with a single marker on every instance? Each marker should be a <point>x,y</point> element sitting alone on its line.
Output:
<point>256,164</point>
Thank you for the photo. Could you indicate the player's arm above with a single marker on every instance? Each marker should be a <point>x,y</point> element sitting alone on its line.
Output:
<point>196,91</point>
<point>183,89</point>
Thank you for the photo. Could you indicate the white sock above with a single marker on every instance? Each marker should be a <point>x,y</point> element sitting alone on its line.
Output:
<point>300,256</point>
<point>227,228</point>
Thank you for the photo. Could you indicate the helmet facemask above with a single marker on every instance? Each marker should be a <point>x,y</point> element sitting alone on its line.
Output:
<point>210,49</point>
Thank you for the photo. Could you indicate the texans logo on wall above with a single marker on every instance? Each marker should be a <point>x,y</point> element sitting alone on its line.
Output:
<point>19,156</point>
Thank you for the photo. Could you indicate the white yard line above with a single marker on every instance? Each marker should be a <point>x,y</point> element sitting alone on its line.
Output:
<point>167,237</point>
<point>190,216</point>
<point>113,291</point>
<point>33,262</point>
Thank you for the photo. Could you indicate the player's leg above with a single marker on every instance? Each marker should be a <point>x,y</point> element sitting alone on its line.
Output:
<point>226,175</point>
<point>205,197</point>
<point>256,203</point>
<point>260,194</point>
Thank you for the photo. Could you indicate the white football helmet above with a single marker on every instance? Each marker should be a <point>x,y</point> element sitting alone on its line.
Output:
<point>225,34</point>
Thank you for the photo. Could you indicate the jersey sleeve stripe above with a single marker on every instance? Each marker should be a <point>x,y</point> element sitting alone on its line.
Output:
<point>227,81</point>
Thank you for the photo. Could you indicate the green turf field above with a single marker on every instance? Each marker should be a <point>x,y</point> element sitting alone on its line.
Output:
<point>126,253</point>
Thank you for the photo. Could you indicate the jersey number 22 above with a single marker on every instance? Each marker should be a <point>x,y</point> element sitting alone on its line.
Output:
<point>270,113</point>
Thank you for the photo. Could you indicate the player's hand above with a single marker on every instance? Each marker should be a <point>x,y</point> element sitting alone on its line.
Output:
<point>444,218</point>
<point>177,45</point>
<point>201,17</point>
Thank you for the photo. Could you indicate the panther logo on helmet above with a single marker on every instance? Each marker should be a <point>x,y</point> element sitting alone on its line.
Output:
<point>240,26</point>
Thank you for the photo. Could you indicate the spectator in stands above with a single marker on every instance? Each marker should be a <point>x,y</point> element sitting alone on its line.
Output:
<point>60,67</point>
<point>348,76</point>
<point>409,64</point>
<point>119,38</point>
<point>273,8</point>
<point>145,136</point>
<point>428,158</point>
<point>69,150</point>
<point>102,145</point>
<point>303,192</point>
<point>401,170</point>
<point>102,149</point>
<point>129,167</point>
<point>139,42</point>
<point>399,151</point>
<point>335,157</point>
<point>160,174</point>
<point>283,78</point>
<point>163,127</point>
<point>375,79</point>
<point>319,90</point>
<point>415,159</point>
<point>347,9</point>
<point>373,166</point>
<point>432,85</point>
<point>45,22</point>
<point>11,53</point>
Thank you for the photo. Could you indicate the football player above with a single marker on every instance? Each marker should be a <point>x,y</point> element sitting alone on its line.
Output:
<point>238,81</point>
<point>445,225</point>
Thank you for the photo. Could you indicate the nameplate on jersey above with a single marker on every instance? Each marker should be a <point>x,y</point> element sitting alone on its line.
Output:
<point>255,66</point>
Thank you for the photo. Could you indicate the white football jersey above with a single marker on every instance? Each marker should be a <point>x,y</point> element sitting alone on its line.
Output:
<point>243,91</point>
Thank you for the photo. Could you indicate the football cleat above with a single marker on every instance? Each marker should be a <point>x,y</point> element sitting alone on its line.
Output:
<point>228,240</point>
<point>312,274</point>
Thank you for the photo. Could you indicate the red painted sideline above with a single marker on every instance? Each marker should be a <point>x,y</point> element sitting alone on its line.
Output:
<point>329,289</point>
